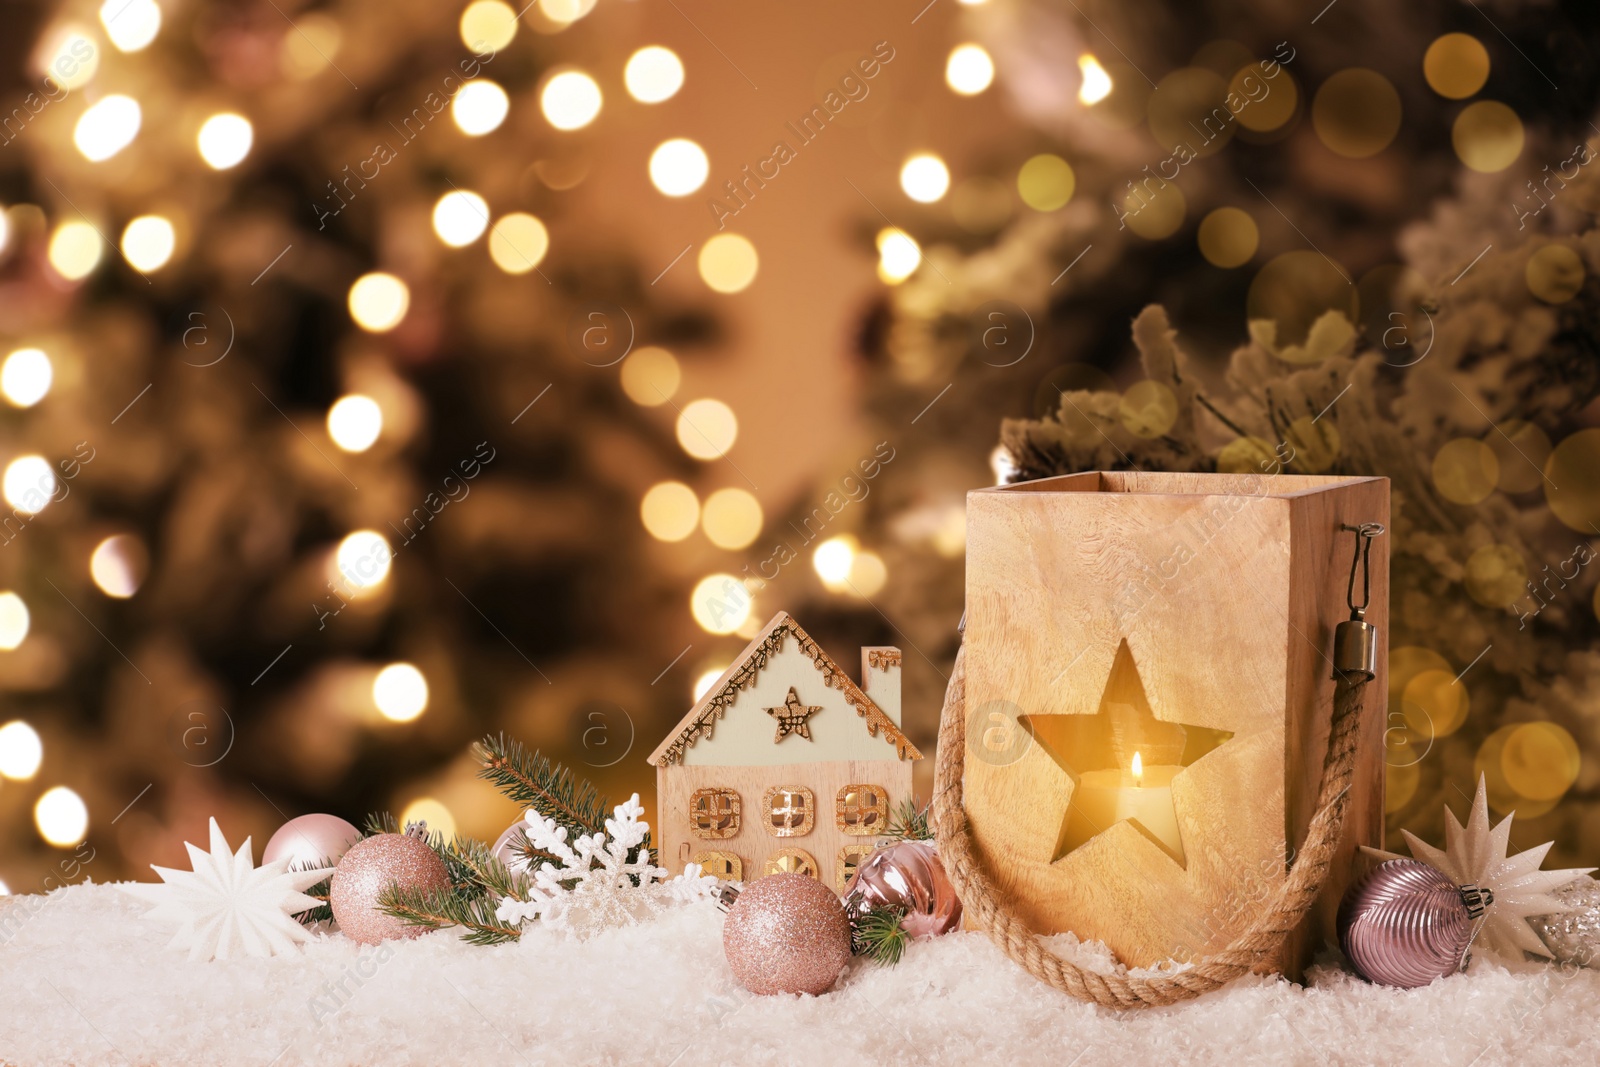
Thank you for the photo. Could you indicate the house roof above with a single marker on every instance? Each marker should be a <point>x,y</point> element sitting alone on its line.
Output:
<point>702,718</point>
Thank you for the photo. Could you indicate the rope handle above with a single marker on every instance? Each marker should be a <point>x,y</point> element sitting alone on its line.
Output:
<point>1244,953</point>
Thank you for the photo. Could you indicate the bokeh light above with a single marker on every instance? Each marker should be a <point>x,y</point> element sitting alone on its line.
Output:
<point>1456,65</point>
<point>480,107</point>
<point>653,74</point>
<point>678,167</point>
<point>460,217</point>
<point>1228,237</point>
<point>75,250</point>
<point>1294,291</point>
<point>705,680</point>
<point>14,621</point>
<point>899,255</point>
<point>26,376</point>
<point>720,604</point>
<point>925,178</point>
<point>354,422</point>
<point>1487,136</point>
<point>1540,760</point>
<point>1465,471</point>
<point>518,243</point>
<point>868,574</point>
<point>488,25</point>
<point>310,49</point>
<point>670,511</point>
<point>118,565</point>
<point>570,100</point>
<point>650,376</point>
<point>433,811</point>
<point>1572,481</point>
<point>1356,113</point>
<point>148,242</point>
<point>61,816</point>
<point>224,140</point>
<point>969,70</point>
<point>1046,182</point>
<point>68,56</point>
<point>1154,213</point>
<point>363,559</point>
<point>1496,576</point>
<point>707,428</point>
<point>731,518</point>
<point>1096,81</point>
<point>21,751</point>
<point>28,483</point>
<point>131,24</point>
<point>1148,409</point>
<point>400,692</point>
<point>832,560</point>
<point>378,301</point>
<point>728,263</point>
<point>1271,110</point>
<point>1554,274</point>
<point>107,127</point>
<point>1522,449</point>
<point>1187,108</point>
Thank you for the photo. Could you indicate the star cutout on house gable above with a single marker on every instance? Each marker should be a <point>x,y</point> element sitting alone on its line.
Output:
<point>1098,752</point>
<point>792,716</point>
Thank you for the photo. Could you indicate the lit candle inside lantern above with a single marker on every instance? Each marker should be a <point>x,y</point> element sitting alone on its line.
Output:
<point>1143,795</point>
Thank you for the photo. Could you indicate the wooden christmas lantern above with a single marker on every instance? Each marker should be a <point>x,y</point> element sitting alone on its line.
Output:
<point>1148,696</point>
<point>785,764</point>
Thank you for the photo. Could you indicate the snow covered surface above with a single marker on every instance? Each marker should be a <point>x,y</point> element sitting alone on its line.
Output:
<point>85,981</point>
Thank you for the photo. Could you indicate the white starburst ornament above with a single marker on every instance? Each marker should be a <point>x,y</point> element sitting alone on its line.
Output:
<point>1475,854</point>
<point>227,907</point>
<point>594,887</point>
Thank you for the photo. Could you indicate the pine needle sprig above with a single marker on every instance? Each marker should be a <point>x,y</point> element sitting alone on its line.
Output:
<point>879,934</point>
<point>535,781</point>
<point>436,909</point>
<point>322,912</point>
<point>484,872</point>
<point>909,823</point>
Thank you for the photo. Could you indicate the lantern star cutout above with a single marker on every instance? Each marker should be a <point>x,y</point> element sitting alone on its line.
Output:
<point>1122,761</point>
<point>793,717</point>
<point>227,907</point>
<point>1475,854</point>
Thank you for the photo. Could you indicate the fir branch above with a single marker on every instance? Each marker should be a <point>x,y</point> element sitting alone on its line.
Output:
<point>483,872</point>
<point>543,785</point>
<point>879,934</point>
<point>909,823</point>
<point>322,912</point>
<point>436,909</point>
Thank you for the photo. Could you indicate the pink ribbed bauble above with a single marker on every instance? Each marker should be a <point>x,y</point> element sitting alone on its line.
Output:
<point>367,870</point>
<point>310,840</point>
<point>1404,923</point>
<point>908,875</point>
<point>787,933</point>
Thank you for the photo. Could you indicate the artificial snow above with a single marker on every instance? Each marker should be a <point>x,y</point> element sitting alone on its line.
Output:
<point>84,980</point>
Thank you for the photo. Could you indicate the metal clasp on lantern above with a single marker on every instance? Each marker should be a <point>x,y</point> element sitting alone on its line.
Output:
<point>1355,641</point>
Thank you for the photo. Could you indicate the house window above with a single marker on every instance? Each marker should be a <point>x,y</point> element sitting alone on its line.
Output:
<point>863,810</point>
<point>714,813</point>
<point>850,857</point>
<point>724,865</point>
<point>790,810</point>
<point>794,860</point>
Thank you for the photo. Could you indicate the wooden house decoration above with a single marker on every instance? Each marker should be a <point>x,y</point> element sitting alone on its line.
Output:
<point>785,764</point>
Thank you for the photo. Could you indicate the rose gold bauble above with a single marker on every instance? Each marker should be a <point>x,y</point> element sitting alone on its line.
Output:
<point>1404,923</point>
<point>310,841</point>
<point>787,933</point>
<point>367,870</point>
<point>907,875</point>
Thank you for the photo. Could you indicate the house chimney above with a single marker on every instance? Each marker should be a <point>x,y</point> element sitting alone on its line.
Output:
<point>880,678</point>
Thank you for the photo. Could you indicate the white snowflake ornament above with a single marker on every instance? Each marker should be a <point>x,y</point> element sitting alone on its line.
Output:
<point>1475,854</point>
<point>227,907</point>
<point>594,887</point>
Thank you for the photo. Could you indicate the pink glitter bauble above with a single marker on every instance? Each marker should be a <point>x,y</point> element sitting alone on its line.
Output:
<point>787,933</point>
<point>369,868</point>
<point>310,841</point>
<point>1404,923</point>
<point>906,875</point>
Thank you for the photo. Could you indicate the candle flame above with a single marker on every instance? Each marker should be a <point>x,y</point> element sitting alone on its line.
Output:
<point>1138,770</point>
<point>1096,82</point>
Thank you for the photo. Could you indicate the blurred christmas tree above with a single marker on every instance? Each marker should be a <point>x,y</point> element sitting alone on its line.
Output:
<point>331,441</point>
<point>1375,238</point>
